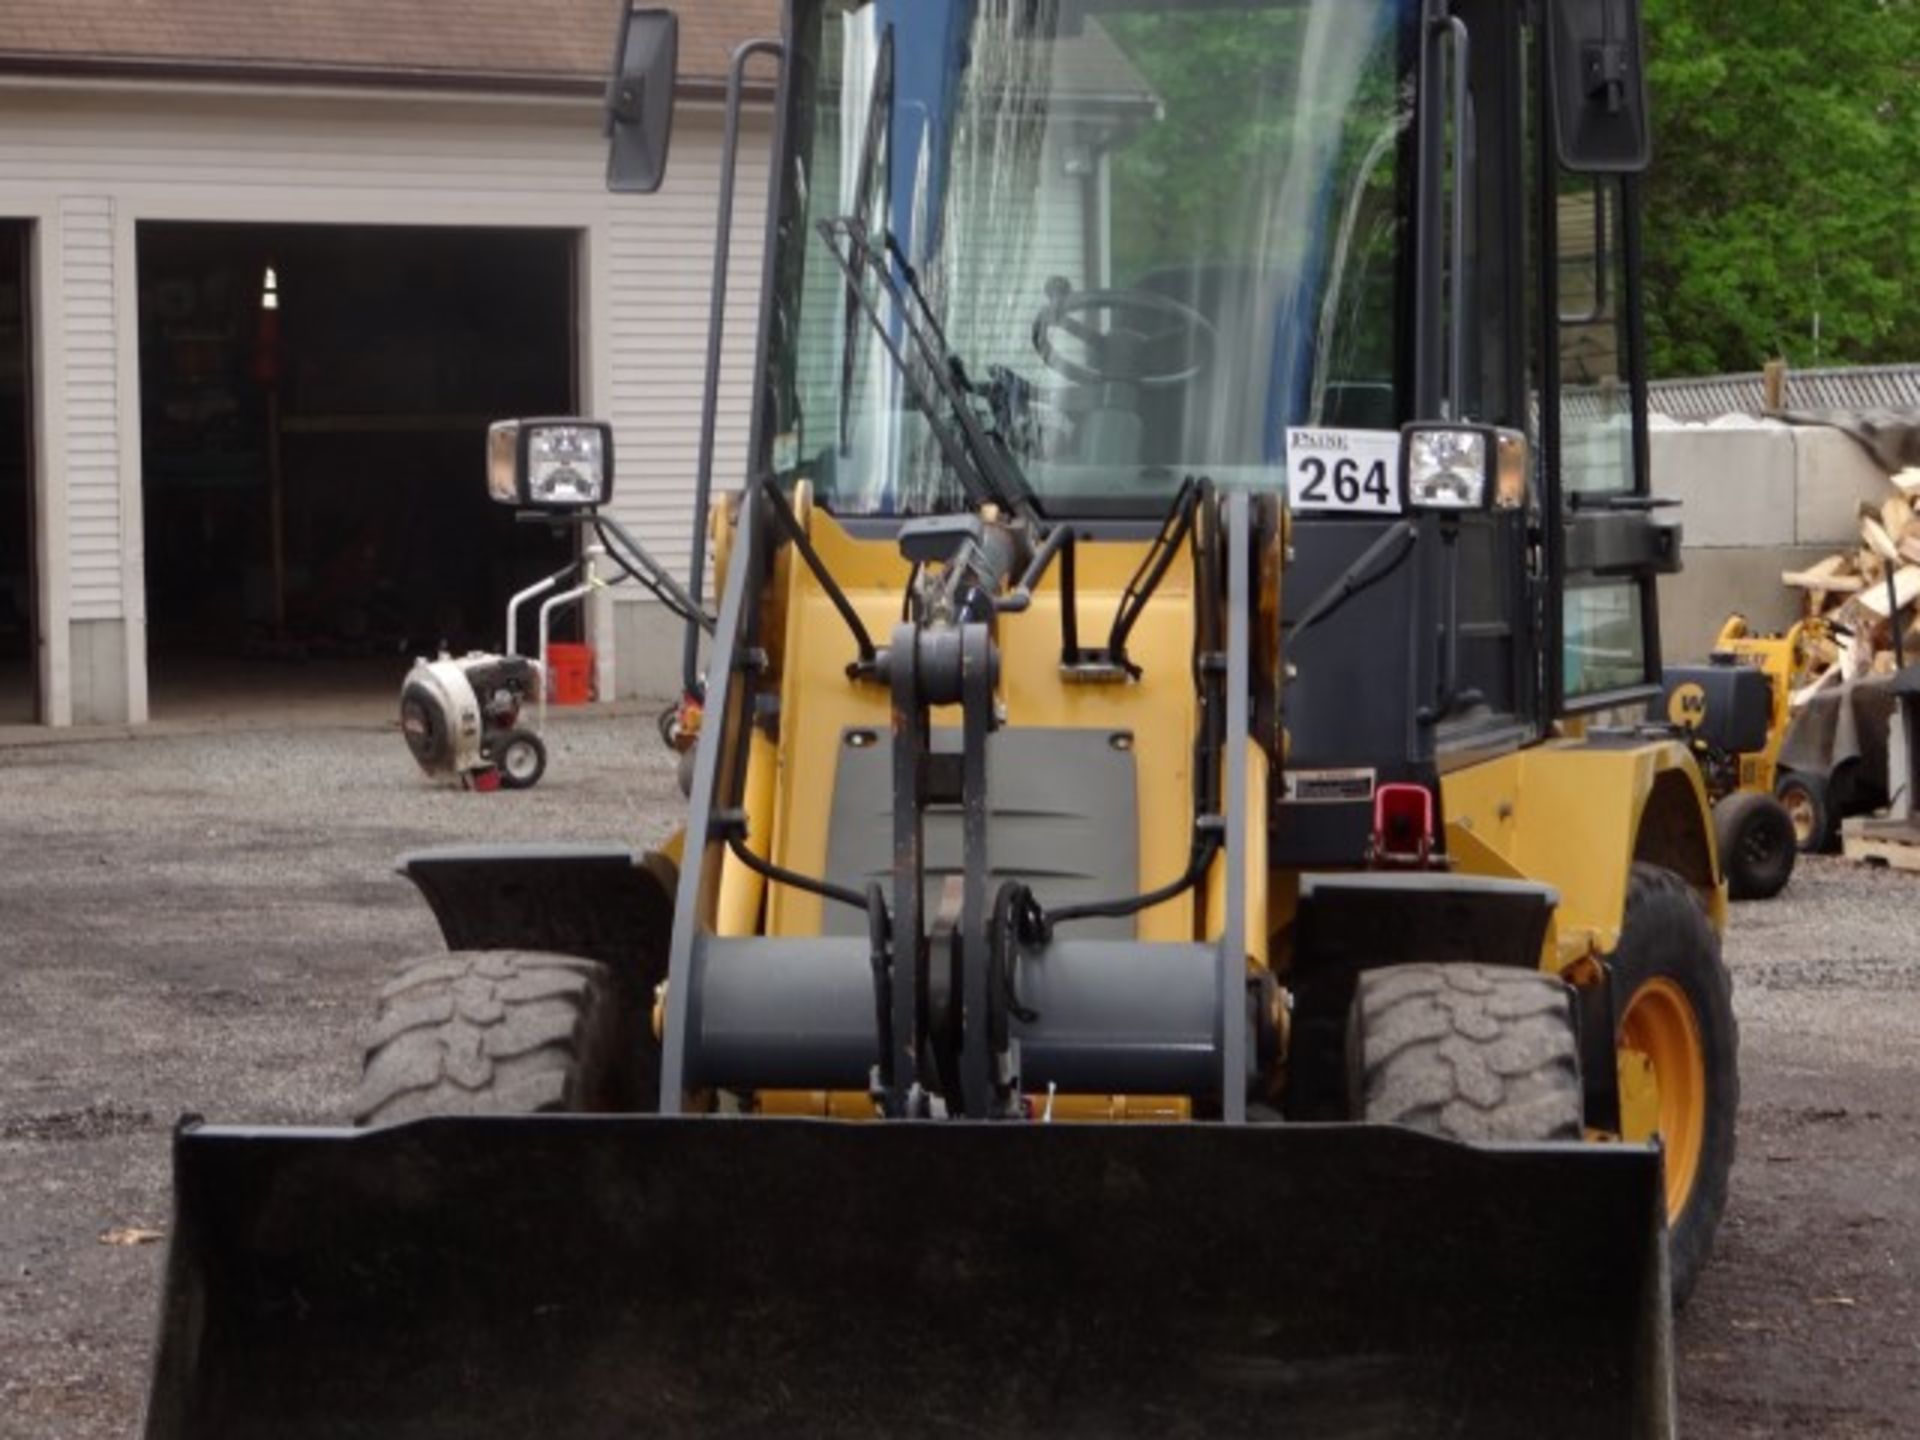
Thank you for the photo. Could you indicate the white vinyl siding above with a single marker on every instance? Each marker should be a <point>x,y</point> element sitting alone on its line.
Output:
<point>101,160</point>
<point>660,283</point>
<point>89,403</point>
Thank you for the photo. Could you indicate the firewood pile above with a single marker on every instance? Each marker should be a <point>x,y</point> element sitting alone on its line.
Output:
<point>1867,596</point>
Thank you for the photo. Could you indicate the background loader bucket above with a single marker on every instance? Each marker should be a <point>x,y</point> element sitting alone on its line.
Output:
<point>566,1277</point>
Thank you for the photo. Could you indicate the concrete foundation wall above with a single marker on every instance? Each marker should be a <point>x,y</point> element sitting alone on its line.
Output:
<point>1756,498</point>
<point>97,655</point>
<point>647,640</point>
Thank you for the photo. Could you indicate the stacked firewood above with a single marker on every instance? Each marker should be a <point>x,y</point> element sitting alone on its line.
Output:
<point>1864,599</point>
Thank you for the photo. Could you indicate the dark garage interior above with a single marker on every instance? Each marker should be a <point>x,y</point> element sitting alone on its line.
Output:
<point>314,407</point>
<point>17,660</point>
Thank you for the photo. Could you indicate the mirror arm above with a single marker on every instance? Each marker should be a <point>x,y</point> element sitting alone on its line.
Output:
<point>1462,190</point>
<point>716,321</point>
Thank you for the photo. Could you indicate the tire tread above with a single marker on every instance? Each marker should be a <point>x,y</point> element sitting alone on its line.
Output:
<point>1472,1052</point>
<point>1733,818</point>
<point>487,1032</point>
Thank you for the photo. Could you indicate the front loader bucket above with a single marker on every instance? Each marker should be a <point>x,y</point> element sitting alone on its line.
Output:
<point>589,1277</point>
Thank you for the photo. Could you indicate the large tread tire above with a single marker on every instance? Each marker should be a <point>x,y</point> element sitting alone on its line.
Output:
<point>1757,844</point>
<point>495,1032</point>
<point>1811,809</point>
<point>1666,935</point>
<point>1478,1053</point>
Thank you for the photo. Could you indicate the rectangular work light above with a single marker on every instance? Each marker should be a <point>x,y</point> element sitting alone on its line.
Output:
<point>1463,467</point>
<point>561,464</point>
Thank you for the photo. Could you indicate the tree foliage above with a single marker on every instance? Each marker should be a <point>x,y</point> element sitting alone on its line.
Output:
<point>1783,209</point>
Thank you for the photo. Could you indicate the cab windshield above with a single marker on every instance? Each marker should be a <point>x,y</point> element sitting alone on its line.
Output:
<point>1137,240</point>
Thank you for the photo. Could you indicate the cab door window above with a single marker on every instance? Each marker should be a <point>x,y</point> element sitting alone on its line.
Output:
<point>1596,396</point>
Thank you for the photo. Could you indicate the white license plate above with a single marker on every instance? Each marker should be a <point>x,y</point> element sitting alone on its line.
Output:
<point>1346,470</point>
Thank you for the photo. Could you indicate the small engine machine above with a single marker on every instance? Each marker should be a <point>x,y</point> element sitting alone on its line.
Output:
<point>468,719</point>
<point>462,720</point>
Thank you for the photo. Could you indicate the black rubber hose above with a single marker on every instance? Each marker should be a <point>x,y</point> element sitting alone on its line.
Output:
<point>1203,854</point>
<point>793,879</point>
<point>1153,569</point>
<point>790,523</point>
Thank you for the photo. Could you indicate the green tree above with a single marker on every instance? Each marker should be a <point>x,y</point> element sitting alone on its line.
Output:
<point>1783,210</point>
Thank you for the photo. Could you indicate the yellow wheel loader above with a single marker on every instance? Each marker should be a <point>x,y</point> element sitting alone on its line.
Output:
<point>1787,660</point>
<point>1144,954</point>
<point>1734,711</point>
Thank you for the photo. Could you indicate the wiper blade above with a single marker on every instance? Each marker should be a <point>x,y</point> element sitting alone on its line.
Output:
<point>976,456</point>
<point>927,316</point>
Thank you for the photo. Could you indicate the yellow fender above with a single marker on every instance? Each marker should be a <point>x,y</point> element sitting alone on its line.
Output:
<point>1576,815</point>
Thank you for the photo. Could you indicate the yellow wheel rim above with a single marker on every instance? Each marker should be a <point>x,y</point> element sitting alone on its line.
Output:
<point>1663,1082</point>
<point>1800,810</point>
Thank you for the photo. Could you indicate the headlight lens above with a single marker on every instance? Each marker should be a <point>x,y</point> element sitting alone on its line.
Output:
<point>566,465</point>
<point>561,464</point>
<point>1446,469</point>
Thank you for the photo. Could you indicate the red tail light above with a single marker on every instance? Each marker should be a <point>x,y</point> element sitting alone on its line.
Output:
<point>1403,824</point>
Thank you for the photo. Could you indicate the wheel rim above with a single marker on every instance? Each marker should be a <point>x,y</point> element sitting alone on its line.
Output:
<point>520,761</point>
<point>1800,810</point>
<point>1663,1082</point>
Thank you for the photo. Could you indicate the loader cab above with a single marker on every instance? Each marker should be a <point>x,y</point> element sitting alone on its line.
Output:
<point>1259,244</point>
<point>1254,243</point>
<point>1526,314</point>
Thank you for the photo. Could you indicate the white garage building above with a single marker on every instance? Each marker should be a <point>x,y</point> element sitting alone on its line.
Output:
<point>199,492</point>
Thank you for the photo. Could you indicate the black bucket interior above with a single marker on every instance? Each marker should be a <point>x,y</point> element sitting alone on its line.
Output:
<point>619,1277</point>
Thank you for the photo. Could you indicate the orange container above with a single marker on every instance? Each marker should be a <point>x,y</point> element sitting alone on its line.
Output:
<point>570,672</point>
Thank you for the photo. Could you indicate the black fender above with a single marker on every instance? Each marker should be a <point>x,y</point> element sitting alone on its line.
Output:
<point>609,903</point>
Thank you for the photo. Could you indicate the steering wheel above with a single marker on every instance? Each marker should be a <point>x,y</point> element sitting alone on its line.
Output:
<point>1134,349</point>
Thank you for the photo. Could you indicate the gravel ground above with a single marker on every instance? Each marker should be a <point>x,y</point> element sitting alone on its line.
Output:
<point>195,922</point>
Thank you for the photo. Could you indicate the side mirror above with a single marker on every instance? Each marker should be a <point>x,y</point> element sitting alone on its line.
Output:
<point>640,99</point>
<point>561,464</point>
<point>1596,64</point>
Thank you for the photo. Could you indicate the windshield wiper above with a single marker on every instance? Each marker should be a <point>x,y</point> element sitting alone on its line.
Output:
<point>978,456</point>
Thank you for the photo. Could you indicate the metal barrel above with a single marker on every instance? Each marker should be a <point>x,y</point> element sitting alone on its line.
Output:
<point>603,1277</point>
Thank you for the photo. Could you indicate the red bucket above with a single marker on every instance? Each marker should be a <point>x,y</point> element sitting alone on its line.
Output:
<point>570,674</point>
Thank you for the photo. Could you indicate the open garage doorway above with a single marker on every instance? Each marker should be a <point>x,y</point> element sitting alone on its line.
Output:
<point>314,405</point>
<point>19,633</point>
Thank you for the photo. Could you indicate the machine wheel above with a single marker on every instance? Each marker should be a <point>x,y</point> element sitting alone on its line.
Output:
<point>522,760</point>
<point>1678,1052</point>
<point>1805,797</point>
<point>1472,1052</point>
<point>1757,844</point>
<point>497,1032</point>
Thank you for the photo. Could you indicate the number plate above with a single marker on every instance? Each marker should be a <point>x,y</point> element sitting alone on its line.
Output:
<point>1352,470</point>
